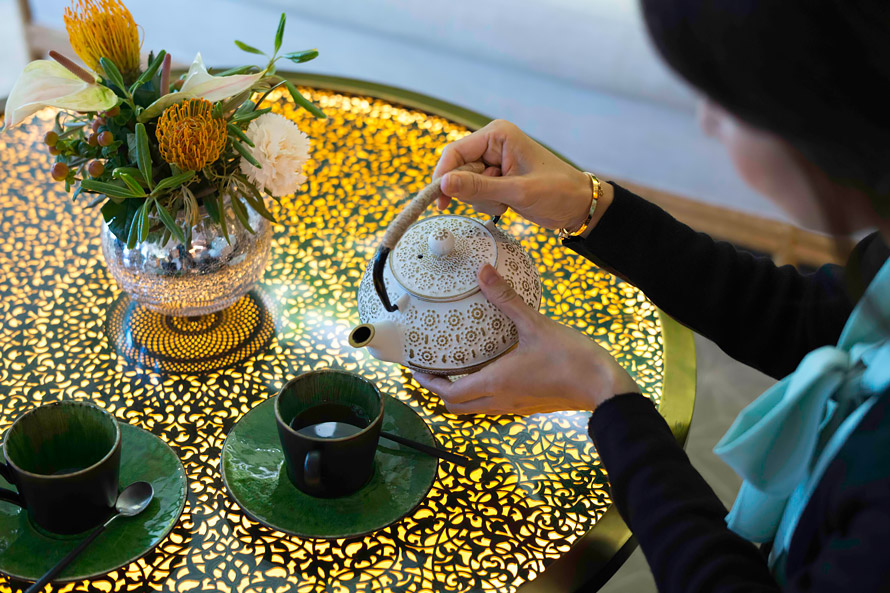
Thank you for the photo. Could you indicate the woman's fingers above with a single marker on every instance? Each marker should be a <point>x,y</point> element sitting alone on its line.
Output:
<point>483,405</point>
<point>466,150</point>
<point>497,210</point>
<point>455,392</point>
<point>490,194</point>
<point>499,292</point>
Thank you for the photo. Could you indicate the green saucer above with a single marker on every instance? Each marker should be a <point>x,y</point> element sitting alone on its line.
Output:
<point>256,478</point>
<point>27,552</point>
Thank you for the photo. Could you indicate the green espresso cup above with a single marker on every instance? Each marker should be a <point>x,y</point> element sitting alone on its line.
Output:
<point>328,424</point>
<point>64,460</point>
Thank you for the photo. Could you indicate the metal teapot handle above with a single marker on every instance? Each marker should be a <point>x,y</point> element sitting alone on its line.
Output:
<point>405,219</point>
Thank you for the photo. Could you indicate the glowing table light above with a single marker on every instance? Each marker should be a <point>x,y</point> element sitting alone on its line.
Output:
<point>541,486</point>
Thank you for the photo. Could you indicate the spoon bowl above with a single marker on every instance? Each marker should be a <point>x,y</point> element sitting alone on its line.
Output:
<point>134,499</point>
<point>131,501</point>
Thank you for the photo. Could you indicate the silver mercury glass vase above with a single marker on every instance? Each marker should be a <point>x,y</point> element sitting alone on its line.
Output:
<point>208,276</point>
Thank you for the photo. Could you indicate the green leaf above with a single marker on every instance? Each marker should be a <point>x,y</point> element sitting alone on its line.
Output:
<point>112,73</point>
<point>143,156</point>
<point>246,107</point>
<point>238,70</point>
<point>279,35</point>
<point>246,154</point>
<point>248,48</point>
<point>134,222</point>
<point>298,57</point>
<point>132,184</point>
<point>239,133</point>
<point>131,171</point>
<point>172,182</point>
<point>259,205</point>
<point>234,102</point>
<point>254,197</point>
<point>303,101</point>
<point>252,115</point>
<point>119,215</point>
<point>241,212</point>
<point>169,222</point>
<point>144,223</point>
<point>212,208</point>
<point>131,146</point>
<point>109,189</point>
<point>223,226</point>
<point>149,72</point>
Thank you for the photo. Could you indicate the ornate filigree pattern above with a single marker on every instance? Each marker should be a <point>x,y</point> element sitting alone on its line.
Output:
<point>461,334</point>
<point>445,277</point>
<point>540,486</point>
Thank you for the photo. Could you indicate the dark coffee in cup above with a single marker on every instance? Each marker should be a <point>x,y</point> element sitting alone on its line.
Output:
<point>330,421</point>
<point>64,461</point>
<point>329,424</point>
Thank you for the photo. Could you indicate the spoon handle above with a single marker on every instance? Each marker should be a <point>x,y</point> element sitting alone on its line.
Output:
<point>64,562</point>
<point>434,451</point>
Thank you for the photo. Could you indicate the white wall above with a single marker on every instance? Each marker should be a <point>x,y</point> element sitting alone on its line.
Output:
<point>12,45</point>
<point>578,75</point>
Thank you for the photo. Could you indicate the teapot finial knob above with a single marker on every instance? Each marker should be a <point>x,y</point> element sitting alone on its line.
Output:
<point>441,242</point>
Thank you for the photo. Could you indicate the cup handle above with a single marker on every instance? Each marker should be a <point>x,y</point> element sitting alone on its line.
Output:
<point>9,495</point>
<point>312,468</point>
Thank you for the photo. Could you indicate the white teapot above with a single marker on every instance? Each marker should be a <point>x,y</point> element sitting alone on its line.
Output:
<point>419,301</point>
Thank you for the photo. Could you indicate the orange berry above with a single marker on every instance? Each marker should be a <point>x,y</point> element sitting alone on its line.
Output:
<point>93,140</point>
<point>105,138</point>
<point>54,150</point>
<point>96,168</point>
<point>113,112</point>
<point>60,171</point>
<point>98,123</point>
<point>50,138</point>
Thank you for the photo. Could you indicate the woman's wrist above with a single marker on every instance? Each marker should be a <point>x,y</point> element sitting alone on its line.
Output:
<point>579,204</point>
<point>606,195</point>
<point>603,381</point>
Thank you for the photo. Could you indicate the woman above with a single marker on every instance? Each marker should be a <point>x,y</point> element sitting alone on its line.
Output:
<point>797,93</point>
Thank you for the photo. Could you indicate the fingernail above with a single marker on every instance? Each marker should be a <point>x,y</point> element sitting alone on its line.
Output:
<point>488,275</point>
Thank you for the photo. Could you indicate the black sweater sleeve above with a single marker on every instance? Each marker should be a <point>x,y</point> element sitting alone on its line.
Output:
<point>675,516</point>
<point>679,521</point>
<point>765,316</point>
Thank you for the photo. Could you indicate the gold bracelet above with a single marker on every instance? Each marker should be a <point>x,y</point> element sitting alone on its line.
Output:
<point>594,197</point>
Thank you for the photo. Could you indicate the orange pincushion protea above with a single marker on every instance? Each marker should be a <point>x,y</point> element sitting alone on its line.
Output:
<point>189,136</point>
<point>104,29</point>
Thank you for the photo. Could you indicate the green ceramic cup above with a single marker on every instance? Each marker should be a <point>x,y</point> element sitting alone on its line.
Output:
<point>317,463</point>
<point>64,460</point>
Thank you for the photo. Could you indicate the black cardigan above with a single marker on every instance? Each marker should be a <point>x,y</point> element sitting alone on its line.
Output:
<point>767,317</point>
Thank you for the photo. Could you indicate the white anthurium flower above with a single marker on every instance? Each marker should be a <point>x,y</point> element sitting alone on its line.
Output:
<point>200,84</point>
<point>45,83</point>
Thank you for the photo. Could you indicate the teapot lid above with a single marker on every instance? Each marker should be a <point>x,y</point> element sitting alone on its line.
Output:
<point>438,258</point>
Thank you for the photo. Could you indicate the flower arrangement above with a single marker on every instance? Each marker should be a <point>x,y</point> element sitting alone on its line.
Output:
<point>158,155</point>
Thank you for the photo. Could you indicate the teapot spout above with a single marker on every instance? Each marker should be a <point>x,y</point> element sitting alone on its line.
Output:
<point>381,339</point>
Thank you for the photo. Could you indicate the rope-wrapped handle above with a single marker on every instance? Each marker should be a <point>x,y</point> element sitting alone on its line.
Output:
<point>405,219</point>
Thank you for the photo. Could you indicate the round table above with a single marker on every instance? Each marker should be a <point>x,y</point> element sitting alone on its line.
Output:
<point>536,515</point>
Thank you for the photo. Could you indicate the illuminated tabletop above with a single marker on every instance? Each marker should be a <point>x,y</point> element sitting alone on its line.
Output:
<point>537,515</point>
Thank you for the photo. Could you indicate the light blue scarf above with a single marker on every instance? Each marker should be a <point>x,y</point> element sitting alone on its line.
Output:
<point>782,443</point>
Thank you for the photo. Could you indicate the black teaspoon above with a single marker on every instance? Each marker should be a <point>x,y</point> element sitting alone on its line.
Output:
<point>131,501</point>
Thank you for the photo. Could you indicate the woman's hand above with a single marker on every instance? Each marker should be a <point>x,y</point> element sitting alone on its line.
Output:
<point>553,368</point>
<point>521,175</point>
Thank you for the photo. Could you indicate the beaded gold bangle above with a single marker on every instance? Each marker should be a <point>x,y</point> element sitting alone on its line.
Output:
<point>594,196</point>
